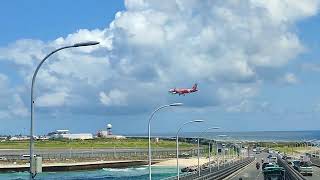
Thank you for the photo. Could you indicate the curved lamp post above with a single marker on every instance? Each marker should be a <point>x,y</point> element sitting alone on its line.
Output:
<point>206,130</point>
<point>149,130</point>
<point>32,170</point>
<point>222,150</point>
<point>177,141</point>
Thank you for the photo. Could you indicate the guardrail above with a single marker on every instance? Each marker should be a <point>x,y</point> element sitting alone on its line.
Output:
<point>216,173</point>
<point>105,155</point>
<point>315,161</point>
<point>290,172</point>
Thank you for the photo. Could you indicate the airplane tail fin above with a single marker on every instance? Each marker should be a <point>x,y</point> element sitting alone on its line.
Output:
<point>194,87</point>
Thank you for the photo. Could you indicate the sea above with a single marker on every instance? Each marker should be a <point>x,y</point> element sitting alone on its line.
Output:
<point>133,173</point>
<point>141,172</point>
<point>259,136</point>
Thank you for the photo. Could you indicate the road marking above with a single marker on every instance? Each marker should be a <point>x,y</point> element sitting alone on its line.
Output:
<point>235,174</point>
<point>258,175</point>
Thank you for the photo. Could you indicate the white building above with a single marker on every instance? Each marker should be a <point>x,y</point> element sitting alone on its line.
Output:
<point>77,136</point>
<point>19,138</point>
<point>108,133</point>
<point>64,134</point>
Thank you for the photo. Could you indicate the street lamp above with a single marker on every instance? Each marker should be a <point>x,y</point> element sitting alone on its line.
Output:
<point>32,168</point>
<point>222,150</point>
<point>199,148</point>
<point>149,130</point>
<point>177,139</point>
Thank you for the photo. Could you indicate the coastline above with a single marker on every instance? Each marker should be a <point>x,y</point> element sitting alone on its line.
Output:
<point>53,167</point>
<point>183,162</point>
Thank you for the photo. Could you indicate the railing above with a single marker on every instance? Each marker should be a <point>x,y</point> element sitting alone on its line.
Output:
<point>118,154</point>
<point>315,161</point>
<point>216,173</point>
<point>290,172</point>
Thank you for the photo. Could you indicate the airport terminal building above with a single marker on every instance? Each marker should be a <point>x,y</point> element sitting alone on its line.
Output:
<point>65,134</point>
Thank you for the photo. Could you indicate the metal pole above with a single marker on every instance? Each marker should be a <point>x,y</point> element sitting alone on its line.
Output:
<point>149,137</point>
<point>32,170</point>
<point>177,153</point>
<point>199,169</point>
<point>224,156</point>
<point>209,157</point>
<point>199,173</point>
<point>149,133</point>
<point>177,142</point>
<point>218,154</point>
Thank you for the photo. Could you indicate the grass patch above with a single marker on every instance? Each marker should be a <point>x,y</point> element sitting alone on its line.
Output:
<point>93,143</point>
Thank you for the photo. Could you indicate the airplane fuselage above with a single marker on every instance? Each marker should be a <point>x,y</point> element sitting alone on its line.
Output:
<point>182,91</point>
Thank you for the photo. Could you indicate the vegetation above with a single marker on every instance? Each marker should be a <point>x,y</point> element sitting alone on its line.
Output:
<point>93,143</point>
<point>290,150</point>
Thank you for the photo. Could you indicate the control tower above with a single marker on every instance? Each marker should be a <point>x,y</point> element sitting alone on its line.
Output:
<point>109,129</point>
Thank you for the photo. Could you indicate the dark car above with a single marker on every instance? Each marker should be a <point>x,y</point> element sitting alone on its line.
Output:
<point>264,165</point>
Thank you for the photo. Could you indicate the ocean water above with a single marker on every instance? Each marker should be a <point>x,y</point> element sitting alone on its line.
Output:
<point>141,172</point>
<point>273,135</point>
<point>261,135</point>
<point>133,173</point>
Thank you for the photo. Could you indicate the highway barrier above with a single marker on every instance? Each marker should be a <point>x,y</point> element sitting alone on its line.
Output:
<point>216,173</point>
<point>291,173</point>
<point>97,154</point>
<point>315,161</point>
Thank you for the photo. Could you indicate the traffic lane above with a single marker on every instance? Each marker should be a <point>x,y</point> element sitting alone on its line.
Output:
<point>251,172</point>
<point>316,174</point>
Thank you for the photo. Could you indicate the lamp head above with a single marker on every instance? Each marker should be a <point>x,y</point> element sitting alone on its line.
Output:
<point>176,104</point>
<point>89,43</point>
<point>198,120</point>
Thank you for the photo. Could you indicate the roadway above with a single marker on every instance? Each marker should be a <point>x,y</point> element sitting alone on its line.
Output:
<point>316,174</point>
<point>251,172</point>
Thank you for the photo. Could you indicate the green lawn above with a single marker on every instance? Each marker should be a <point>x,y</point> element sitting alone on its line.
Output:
<point>94,143</point>
<point>290,150</point>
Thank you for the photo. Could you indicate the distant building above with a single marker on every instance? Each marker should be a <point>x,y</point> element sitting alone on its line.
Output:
<point>19,138</point>
<point>108,133</point>
<point>77,136</point>
<point>64,134</point>
<point>109,129</point>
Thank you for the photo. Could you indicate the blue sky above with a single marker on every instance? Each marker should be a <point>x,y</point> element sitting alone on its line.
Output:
<point>256,64</point>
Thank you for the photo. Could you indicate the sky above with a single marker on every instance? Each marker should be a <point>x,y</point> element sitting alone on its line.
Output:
<point>256,63</point>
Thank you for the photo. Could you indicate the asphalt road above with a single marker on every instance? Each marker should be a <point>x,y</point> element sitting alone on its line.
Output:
<point>251,172</point>
<point>316,174</point>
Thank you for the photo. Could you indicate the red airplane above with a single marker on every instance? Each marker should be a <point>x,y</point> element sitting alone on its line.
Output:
<point>184,91</point>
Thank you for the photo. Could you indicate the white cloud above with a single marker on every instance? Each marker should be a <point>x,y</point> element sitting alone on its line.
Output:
<point>52,99</point>
<point>114,97</point>
<point>290,78</point>
<point>17,108</point>
<point>248,106</point>
<point>11,104</point>
<point>310,67</point>
<point>236,92</point>
<point>288,10</point>
<point>84,35</point>
<point>159,44</point>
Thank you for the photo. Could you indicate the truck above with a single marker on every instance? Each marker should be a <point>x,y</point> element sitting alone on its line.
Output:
<point>273,171</point>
